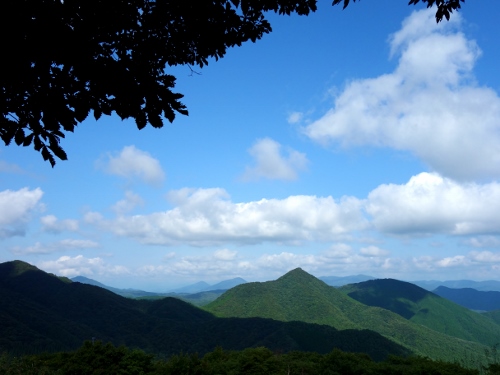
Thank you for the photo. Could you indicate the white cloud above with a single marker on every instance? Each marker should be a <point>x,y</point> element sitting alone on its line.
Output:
<point>429,203</point>
<point>475,263</point>
<point>16,208</point>
<point>207,217</point>
<point>373,251</point>
<point>222,263</point>
<point>128,203</point>
<point>63,245</point>
<point>483,241</point>
<point>430,105</point>
<point>134,163</point>
<point>79,265</point>
<point>271,164</point>
<point>225,254</point>
<point>485,256</point>
<point>295,117</point>
<point>339,250</point>
<point>51,224</point>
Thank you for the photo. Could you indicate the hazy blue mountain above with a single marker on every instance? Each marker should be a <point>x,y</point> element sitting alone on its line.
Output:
<point>344,280</point>
<point>86,280</point>
<point>489,285</point>
<point>129,293</point>
<point>471,298</point>
<point>202,286</point>
<point>226,284</point>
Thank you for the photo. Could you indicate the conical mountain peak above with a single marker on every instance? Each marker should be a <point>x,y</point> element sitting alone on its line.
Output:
<point>297,273</point>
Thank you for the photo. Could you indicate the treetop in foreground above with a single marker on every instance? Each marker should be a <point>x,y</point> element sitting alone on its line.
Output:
<point>64,60</point>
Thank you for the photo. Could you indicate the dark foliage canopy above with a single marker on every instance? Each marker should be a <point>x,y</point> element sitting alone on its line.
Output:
<point>66,59</point>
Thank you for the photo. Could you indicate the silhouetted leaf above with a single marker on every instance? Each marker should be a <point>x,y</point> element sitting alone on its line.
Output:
<point>115,55</point>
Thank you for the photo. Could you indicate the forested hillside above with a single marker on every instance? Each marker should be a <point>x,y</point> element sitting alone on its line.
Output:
<point>300,296</point>
<point>428,309</point>
<point>41,312</point>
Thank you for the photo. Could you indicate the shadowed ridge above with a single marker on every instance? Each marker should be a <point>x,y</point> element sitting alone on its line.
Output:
<point>425,308</point>
<point>390,294</point>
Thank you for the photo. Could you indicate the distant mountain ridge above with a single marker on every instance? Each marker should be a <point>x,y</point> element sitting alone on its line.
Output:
<point>484,286</point>
<point>471,298</point>
<point>190,289</point>
<point>299,296</point>
<point>202,286</point>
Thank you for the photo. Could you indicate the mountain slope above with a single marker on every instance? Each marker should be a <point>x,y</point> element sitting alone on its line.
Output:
<point>423,307</point>
<point>471,298</point>
<point>300,296</point>
<point>41,312</point>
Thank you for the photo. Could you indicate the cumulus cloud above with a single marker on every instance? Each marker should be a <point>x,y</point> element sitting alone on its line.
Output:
<point>207,216</point>
<point>429,203</point>
<point>478,263</point>
<point>429,105</point>
<point>270,162</point>
<point>134,163</point>
<point>225,254</point>
<point>79,265</point>
<point>373,251</point>
<point>483,241</point>
<point>339,250</point>
<point>52,224</point>
<point>223,263</point>
<point>63,245</point>
<point>16,208</point>
<point>128,203</point>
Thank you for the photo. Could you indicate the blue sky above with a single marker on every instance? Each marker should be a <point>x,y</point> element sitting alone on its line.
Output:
<point>346,142</point>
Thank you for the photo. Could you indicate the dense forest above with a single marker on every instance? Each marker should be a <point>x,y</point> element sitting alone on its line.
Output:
<point>98,358</point>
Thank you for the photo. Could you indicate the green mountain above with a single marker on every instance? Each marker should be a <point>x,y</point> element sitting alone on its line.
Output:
<point>298,296</point>
<point>426,308</point>
<point>493,315</point>
<point>41,312</point>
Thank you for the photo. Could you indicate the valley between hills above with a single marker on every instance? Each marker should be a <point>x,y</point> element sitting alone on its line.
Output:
<point>40,312</point>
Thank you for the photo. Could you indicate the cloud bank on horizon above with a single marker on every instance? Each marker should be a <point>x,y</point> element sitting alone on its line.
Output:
<point>440,221</point>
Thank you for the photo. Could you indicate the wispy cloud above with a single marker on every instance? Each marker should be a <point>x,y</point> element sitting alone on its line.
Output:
<point>52,224</point>
<point>53,247</point>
